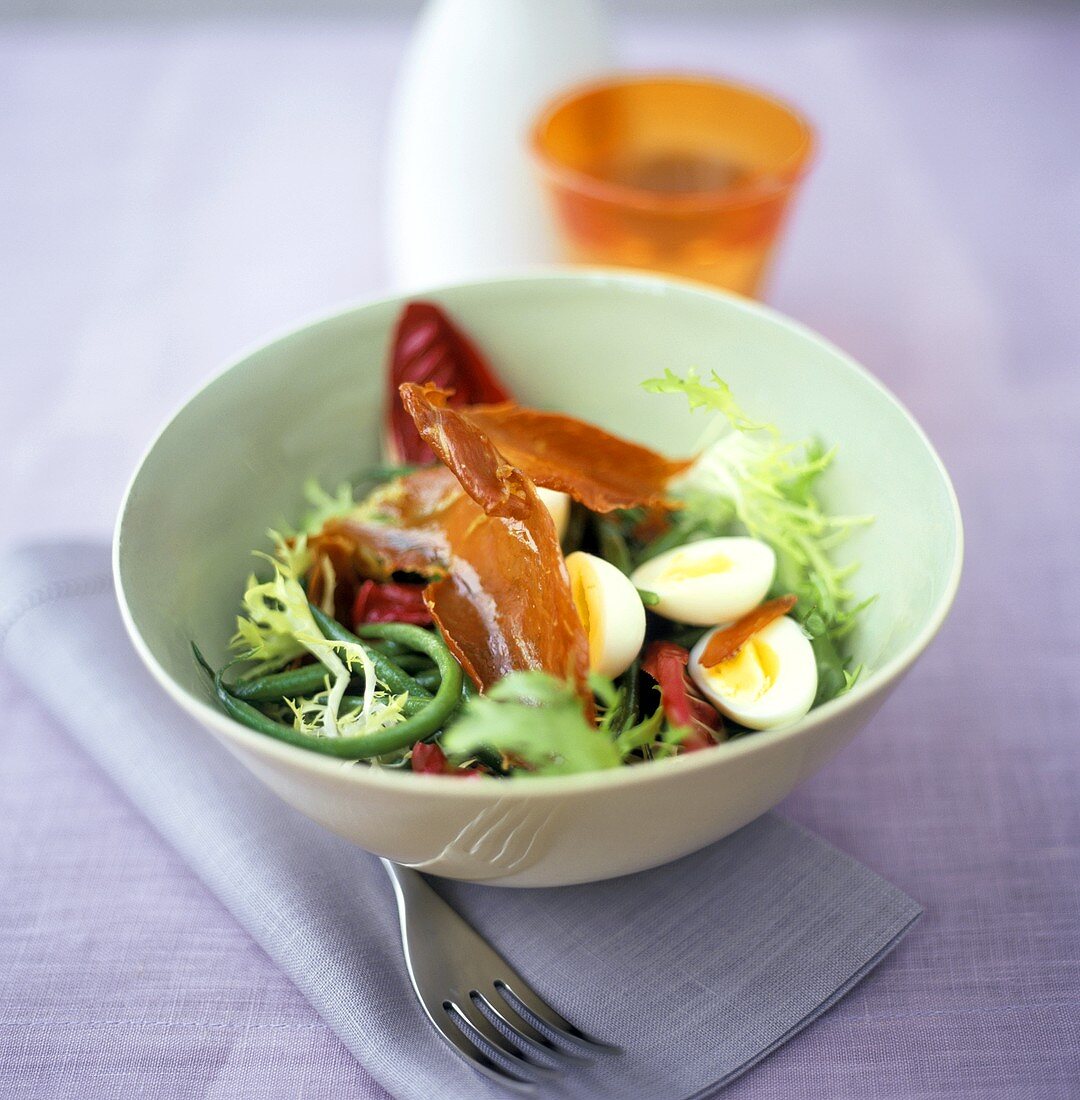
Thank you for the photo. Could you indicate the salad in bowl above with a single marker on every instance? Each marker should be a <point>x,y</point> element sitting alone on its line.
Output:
<point>518,592</point>
<point>511,624</point>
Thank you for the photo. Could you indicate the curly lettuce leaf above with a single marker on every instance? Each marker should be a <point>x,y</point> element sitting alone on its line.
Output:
<point>536,723</point>
<point>324,506</point>
<point>771,487</point>
<point>715,394</point>
<point>278,626</point>
<point>309,715</point>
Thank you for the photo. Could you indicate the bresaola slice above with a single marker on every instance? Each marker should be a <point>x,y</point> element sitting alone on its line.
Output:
<point>504,604</point>
<point>560,452</point>
<point>549,448</point>
<point>494,580</point>
<point>497,486</point>
<point>724,644</point>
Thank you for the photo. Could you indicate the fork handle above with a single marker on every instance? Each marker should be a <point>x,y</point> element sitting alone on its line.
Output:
<point>422,913</point>
<point>403,878</point>
<point>415,897</point>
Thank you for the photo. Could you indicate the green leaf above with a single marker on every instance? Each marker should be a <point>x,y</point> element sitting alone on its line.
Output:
<point>770,488</point>
<point>325,506</point>
<point>279,625</point>
<point>535,721</point>
<point>646,732</point>
<point>750,480</point>
<point>715,394</point>
<point>604,690</point>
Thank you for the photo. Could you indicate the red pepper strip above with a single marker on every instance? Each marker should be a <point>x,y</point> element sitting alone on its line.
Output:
<point>429,759</point>
<point>724,644</point>
<point>388,602</point>
<point>429,348</point>
<point>665,662</point>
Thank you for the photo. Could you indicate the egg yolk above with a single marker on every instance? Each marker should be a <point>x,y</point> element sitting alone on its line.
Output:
<point>745,677</point>
<point>688,567</point>
<point>583,589</point>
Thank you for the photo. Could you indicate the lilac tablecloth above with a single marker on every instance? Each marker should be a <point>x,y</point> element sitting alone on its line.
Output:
<point>172,192</point>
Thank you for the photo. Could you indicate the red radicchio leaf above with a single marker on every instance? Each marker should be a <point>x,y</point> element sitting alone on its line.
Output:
<point>665,662</point>
<point>429,348</point>
<point>388,602</point>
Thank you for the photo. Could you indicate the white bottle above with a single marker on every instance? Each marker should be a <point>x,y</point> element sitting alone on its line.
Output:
<point>462,197</point>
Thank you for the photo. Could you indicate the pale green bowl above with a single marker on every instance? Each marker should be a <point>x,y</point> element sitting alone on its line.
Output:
<point>307,404</point>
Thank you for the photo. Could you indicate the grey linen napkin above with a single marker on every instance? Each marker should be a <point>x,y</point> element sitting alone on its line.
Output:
<point>696,970</point>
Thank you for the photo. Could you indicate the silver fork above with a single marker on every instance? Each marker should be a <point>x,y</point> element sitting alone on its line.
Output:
<point>466,988</point>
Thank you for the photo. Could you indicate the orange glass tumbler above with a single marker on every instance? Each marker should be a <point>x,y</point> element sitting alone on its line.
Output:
<point>681,174</point>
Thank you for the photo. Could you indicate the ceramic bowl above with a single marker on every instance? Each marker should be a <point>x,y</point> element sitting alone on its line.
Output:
<point>234,460</point>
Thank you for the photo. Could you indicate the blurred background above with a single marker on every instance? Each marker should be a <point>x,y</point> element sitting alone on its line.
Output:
<point>180,179</point>
<point>404,8</point>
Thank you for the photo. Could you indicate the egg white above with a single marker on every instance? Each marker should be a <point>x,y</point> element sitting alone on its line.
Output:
<point>611,610</point>
<point>558,504</point>
<point>788,696</point>
<point>709,582</point>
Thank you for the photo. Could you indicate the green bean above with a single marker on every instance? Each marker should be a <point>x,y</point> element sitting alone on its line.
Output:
<point>649,599</point>
<point>391,649</point>
<point>306,680</point>
<point>678,534</point>
<point>429,678</point>
<point>627,714</point>
<point>391,739</point>
<point>265,689</point>
<point>611,544</point>
<point>309,678</point>
<point>575,528</point>
<point>411,663</point>
<point>386,670</point>
<point>356,702</point>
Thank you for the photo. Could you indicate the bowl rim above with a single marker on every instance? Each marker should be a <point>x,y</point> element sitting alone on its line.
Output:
<point>876,683</point>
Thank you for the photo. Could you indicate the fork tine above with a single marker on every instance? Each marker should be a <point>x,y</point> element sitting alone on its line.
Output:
<point>469,1015</point>
<point>480,1061</point>
<point>445,957</point>
<point>501,1008</point>
<point>522,993</point>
